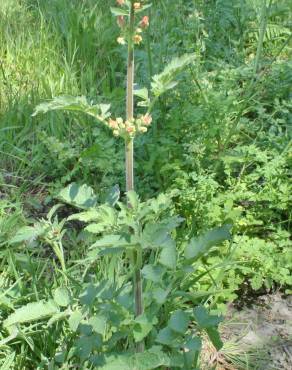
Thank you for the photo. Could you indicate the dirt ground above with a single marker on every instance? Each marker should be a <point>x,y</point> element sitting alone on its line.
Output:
<point>264,330</point>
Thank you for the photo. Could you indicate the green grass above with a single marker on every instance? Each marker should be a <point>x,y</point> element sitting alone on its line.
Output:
<point>220,144</point>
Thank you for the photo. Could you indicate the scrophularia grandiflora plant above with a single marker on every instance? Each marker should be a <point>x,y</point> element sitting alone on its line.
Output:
<point>144,230</point>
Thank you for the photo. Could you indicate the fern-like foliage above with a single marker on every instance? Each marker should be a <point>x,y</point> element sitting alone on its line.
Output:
<point>74,104</point>
<point>166,79</point>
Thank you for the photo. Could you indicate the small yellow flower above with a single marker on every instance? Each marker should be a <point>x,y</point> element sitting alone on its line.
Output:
<point>137,39</point>
<point>121,40</point>
<point>137,6</point>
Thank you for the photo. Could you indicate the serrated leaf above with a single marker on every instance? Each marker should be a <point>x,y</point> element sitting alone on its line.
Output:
<point>119,11</point>
<point>62,296</point>
<point>166,336</point>
<point>200,245</point>
<point>31,312</point>
<point>179,321</point>
<point>98,323</point>
<point>204,319</point>
<point>111,241</point>
<point>166,80</point>
<point>153,273</point>
<point>80,196</point>
<point>74,104</point>
<point>74,320</point>
<point>142,327</point>
<point>113,196</point>
<point>168,256</point>
<point>27,234</point>
<point>147,360</point>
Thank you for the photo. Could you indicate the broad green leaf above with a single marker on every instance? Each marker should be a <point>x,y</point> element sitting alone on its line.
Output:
<point>147,360</point>
<point>214,336</point>
<point>80,196</point>
<point>86,216</point>
<point>74,320</point>
<point>166,336</point>
<point>209,323</point>
<point>204,319</point>
<point>113,196</point>
<point>32,312</point>
<point>168,257</point>
<point>142,327</point>
<point>98,323</point>
<point>179,321</point>
<point>160,295</point>
<point>62,296</point>
<point>200,245</point>
<point>133,199</point>
<point>74,104</point>
<point>28,234</point>
<point>153,273</point>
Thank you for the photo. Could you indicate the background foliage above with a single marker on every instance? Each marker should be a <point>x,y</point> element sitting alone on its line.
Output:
<point>219,148</point>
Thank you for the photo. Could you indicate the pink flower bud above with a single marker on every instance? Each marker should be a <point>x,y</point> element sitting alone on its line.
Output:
<point>112,123</point>
<point>121,21</point>
<point>144,22</point>
<point>130,129</point>
<point>121,2</point>
<point>147,119</point>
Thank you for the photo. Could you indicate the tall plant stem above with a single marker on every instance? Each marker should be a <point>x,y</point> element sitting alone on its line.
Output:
<point>129,148</point>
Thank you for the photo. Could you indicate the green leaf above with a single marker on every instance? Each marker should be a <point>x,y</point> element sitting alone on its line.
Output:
<point>9,362</point>
<point>179,321</point>
<point>80,196</point>
<point>133,199</point>
<point>144,7</point>
<point>165,80</point>
<point>62,297</point>
<point>142,327</point>
<point>166,336</point>
<point>28,234</point>
<point>74,104</point>
<point>200,245</point>
<point>160,295</point>
<point>151,359</point>
<point>168,257</point>
<point>113,196</point>
<point>204,319</point>
<point>215,338</point>
<point>74,320</point>
<point>98,323</point>
<point>111,241</point>
<point>32,312</point>
<point>119,11</point>
<point>153,273</point>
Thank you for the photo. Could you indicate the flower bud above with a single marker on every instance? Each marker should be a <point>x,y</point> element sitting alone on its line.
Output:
<point>137,39</point>
<point>147,119</point>
<point>137,6</point>
<point>116,132</point>
<point>121,2</point>
<point>121,40</point>
<point>143,129</point>
<point>144,22</point>
<point>121,21</point>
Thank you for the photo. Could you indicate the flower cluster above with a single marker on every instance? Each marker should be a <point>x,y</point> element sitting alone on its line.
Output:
<point>129,128</point>
<point>141,25</point>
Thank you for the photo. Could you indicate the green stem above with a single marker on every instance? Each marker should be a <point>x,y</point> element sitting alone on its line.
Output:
<point>129,148</point>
